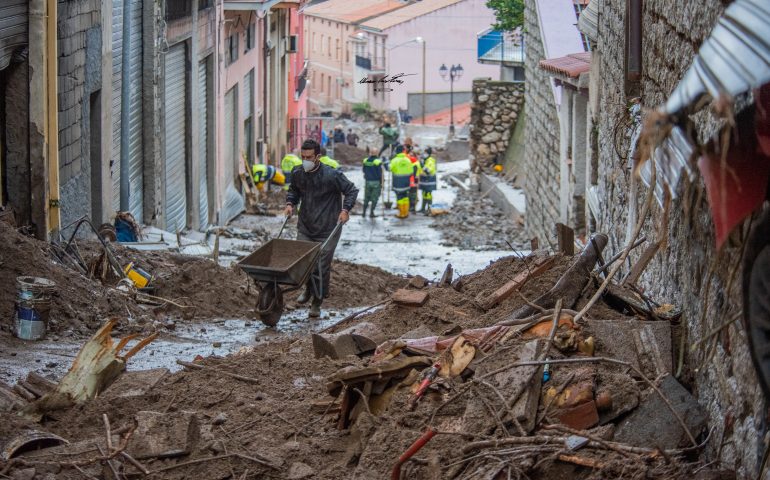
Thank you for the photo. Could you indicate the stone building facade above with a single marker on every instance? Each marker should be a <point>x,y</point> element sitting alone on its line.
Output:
<point>687,271</point>
<point>495,108</point>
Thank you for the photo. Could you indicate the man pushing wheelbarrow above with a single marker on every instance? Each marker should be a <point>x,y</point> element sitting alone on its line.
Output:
<point>324,197</point>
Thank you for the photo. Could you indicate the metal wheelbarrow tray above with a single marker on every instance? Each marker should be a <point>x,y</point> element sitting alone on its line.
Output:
<point>285,262</point>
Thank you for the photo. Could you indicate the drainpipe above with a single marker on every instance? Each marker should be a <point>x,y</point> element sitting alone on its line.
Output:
<point>125,116</point>
<point>52,72</point>
<point>265,110</point>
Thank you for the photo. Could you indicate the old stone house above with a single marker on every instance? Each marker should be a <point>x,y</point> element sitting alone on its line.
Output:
<point>634,69</point>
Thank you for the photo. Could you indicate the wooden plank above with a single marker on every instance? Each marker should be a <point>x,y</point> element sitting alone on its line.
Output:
<point>410,298</point>
<point>540,265</point>
<point>566,239</point>
<point>641,265</point>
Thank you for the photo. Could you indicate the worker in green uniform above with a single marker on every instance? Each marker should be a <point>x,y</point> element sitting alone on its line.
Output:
<point>403,170</point>
<point>327,160</point>
<point>287,165</point>
<point>372,167</point>
<point>428,180</point>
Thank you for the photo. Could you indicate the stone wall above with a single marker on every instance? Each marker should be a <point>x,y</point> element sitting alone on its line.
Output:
<point>689,272</point>
<point>541,138</point>
<point>14,87</point>
<point>494,110</point>
<point>79,43</point>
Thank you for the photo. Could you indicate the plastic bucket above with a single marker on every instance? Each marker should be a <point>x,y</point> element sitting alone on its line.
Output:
<point>140,278</point>
<point>33,306</point>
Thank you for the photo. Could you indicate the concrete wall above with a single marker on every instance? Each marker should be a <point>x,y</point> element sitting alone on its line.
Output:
<point>14,88</point>
<point>541,135</point>
<point>80,75</point>
<point>689,273</point>
<point>494,112</point>
<point>450,38</point>
<point>434,102</point>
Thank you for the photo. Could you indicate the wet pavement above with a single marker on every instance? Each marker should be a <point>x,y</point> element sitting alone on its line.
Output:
<point>409,247</point>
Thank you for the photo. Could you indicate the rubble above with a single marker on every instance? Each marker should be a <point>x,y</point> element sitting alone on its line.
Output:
<point>476,223</point>
<point>281,409</point>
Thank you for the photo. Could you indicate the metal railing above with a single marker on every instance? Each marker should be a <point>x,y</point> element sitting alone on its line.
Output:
<point>494,46</point>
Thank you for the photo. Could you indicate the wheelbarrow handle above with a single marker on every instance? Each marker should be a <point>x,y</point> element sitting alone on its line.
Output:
<point>331,235</point>
<point>283,226</point>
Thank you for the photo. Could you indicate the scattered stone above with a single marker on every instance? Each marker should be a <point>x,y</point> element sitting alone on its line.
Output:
<point>164,435</point>
<point>220,419</point>
<point>24,474</point>
<point>654,424</point>
<point>410,298</point>
<point>575,442</point>
<point>216,344</point>
<point>361,338</point>
<point>418,281</point>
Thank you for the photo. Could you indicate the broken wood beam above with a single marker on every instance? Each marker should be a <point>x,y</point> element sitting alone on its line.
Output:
<point>641,264</point>
<point>446,278</point>
<point>566,239</point>
<point>571,284</point>
<point>540,265</point>
<point>195,366</point>
<point>410,298</point>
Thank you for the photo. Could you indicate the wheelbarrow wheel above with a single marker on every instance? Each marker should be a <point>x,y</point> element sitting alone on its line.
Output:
<point>270,305</point>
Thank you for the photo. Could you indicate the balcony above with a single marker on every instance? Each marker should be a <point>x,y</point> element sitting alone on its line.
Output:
<point>500,48</point>
<point>299,85</point>
<point>372,64</point>
<point>363,62</point>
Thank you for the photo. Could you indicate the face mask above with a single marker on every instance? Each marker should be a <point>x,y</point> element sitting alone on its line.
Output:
<point>308,165</point>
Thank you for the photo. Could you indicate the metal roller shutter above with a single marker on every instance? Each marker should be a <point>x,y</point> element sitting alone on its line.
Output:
<point>135,152</point>
<point>175,87</point>
<point>233,202</point>
<point>203,145</point>
<point>13,28</point>
<point>117,59</point>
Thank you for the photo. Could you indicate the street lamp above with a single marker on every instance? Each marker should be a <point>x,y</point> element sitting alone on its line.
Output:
<point>451,74</point>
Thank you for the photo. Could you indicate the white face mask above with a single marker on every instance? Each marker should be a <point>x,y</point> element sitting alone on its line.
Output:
<point>308,165</point>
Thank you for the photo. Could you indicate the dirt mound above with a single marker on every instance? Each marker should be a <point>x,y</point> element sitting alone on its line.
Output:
<point>81,304</point>
<point>349,155</point>
<point>281,408</point>
<point>476,223</point>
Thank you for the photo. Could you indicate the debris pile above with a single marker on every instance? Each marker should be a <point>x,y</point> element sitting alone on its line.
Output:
<point>476,223</point>
<point>184,287</point>
<point>520,370</point>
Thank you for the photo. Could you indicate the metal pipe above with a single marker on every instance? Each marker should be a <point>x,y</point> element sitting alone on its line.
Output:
<point>423,81</point>
<point>125,93</point>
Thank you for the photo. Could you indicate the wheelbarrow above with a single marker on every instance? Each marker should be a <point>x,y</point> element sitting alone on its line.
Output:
<point>278,267</point>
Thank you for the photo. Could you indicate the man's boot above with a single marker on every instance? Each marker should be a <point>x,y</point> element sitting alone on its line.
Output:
<point>366,204</point>
<point>315,308</point>
<point>372,214</point>
<point>304,296</point>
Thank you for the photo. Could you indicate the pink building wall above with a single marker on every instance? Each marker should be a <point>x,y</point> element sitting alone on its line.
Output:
<point>297,104</point>
<point>450,36</point>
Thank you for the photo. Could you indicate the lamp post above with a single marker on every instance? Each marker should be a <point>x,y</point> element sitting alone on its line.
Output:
<point>451,74</point>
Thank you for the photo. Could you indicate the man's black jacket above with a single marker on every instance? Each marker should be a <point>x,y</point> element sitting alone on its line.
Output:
<point>320,196</point>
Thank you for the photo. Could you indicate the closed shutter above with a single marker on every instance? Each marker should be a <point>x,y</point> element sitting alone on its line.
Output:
<point>117,59</point>
<point>13,28</point>
<point>135,150</point>
<point>233,202</point>
<point>175,87</point>
<point>203,145</point>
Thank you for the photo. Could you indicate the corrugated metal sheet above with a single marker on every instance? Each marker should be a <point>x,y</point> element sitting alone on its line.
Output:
<point>13,28</point>
<point>233,201</point>
<point>203,145</point>
<point>588,23</point>
<point>175,88</point>
<point>135,150</point>
<point>117,59</point>
<point>734,59</point>
<point>248,94</point>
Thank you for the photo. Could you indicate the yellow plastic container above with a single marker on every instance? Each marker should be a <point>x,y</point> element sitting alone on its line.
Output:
<point>140,278</point>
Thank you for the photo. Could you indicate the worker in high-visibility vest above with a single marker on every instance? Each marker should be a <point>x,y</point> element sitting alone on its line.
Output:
<point>428,181</point>
<point>372,167</point>
<point>409,150</point>
<point>262,174</point>
<point>287,165</point>
<point>402,169</point>
<point>327,160</point>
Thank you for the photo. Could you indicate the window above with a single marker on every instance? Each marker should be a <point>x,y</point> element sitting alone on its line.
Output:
<point>314,44</point>
<point>322,44</point>
<point>329,46</point>
<point>178,9</point>
<point>337,49</point>
<point>347,52</point>
<point>251,36</point>
<point>231,48</point>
